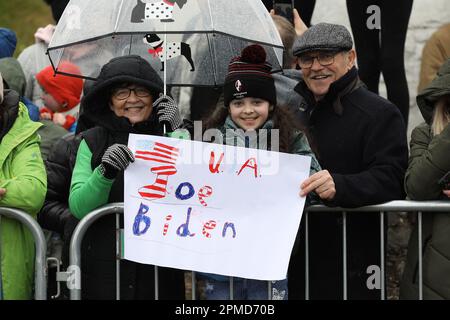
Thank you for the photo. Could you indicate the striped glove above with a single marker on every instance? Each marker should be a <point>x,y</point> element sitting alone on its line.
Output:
<point>167,111</point>
<point>115,159</point>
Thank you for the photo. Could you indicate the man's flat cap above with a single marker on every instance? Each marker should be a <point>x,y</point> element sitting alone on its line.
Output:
<point>323,36</point>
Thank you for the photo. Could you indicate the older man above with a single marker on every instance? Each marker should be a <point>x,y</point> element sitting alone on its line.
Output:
<point>359,139</point>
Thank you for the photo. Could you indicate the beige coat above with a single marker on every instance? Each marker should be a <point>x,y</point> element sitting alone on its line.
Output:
<point>434,54</point>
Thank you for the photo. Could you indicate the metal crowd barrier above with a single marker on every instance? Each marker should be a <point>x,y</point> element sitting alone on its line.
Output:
<point>40,273</point>
<point>75,246</point>
<point>389,207</point>
<point>74,275</point>
<point>393,206</point>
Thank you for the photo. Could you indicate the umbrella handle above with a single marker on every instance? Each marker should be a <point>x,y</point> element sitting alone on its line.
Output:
<point>165,62</point>
<point>165,69</point>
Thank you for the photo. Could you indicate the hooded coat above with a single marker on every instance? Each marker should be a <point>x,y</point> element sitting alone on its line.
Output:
<point>23,176</point>
<point>429,161</point>
<point>90,189</point>
<point>12,73</point>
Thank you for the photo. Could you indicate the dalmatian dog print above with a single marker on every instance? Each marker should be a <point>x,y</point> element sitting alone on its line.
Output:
<point>174,49</point>
<point>155,9</point>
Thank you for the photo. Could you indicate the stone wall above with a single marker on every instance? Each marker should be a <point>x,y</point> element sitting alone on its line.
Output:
<point>426,17</point>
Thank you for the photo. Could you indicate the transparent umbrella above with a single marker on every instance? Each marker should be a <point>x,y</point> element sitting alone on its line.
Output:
<point>190,42</point>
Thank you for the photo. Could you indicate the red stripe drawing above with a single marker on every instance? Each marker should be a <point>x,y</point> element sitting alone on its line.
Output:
<point>156,155</point>
<point>155,159</point>
<point>203,193</point>
<point>211,224</point>
<point>166,225</point>
<point>161,154</point>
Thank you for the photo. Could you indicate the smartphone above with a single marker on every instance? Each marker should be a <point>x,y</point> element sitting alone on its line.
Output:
<point>284,8</point>
<point>444,182</point>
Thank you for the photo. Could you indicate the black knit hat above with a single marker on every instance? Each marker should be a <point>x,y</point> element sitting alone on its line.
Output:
<point>249,76</point>
<point>126,69</point>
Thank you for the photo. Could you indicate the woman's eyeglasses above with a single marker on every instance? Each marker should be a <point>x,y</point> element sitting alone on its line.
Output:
<point>124,93</point>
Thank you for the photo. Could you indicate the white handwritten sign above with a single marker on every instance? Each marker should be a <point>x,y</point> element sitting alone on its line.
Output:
<point>212,208</point>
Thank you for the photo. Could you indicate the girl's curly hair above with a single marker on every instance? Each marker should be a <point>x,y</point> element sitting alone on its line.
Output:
<point>280,115</point>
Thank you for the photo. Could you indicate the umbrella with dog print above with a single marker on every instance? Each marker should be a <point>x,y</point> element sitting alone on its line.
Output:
<point>190,42</point>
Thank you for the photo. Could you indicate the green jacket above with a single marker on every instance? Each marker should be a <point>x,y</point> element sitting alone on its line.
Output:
<point>22,174</point>
<point>89,189</point>
<point>429,161</point>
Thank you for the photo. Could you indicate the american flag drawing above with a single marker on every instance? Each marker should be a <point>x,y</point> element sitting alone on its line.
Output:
<point>165,158</point>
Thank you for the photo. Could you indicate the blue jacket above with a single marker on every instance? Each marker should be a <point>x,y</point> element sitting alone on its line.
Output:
<point>8,42</point>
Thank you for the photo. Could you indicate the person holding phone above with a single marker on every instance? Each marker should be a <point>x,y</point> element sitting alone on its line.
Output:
<point>284,8</point>
<point>306,8</point>
<point>429,164</point>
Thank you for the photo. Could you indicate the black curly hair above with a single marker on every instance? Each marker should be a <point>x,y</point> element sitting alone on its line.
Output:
<point>282,120</point>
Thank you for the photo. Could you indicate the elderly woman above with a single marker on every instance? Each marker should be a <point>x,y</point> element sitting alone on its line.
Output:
<point>124,100</point>
<point>428,163</point>
<point>23,183</point>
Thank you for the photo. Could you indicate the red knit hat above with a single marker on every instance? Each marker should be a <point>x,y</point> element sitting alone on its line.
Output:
<point>63,88</point>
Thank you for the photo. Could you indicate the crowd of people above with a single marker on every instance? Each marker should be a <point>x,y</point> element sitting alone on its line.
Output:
<point>63,152</point>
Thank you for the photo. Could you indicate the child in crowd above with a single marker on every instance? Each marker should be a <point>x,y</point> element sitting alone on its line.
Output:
<point>61,95</point>
<point>250,104</point>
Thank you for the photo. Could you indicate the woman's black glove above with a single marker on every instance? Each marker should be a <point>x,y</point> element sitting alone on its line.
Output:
<point>167,111</point>
<point>116,158</point>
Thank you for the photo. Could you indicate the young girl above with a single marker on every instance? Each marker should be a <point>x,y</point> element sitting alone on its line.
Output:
<point>250,105</point>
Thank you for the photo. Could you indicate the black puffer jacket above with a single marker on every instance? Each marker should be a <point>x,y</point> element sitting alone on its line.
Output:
<point>55,214</point>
